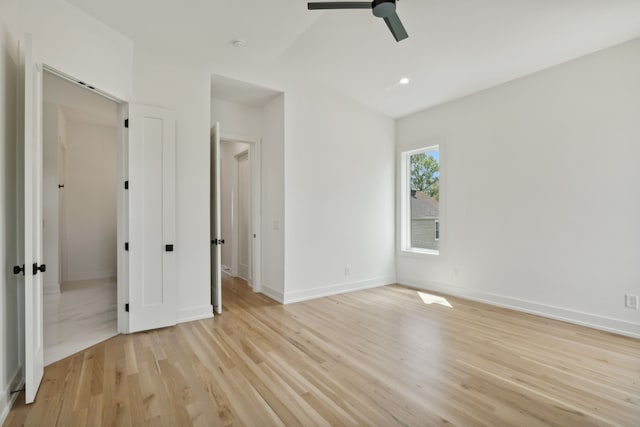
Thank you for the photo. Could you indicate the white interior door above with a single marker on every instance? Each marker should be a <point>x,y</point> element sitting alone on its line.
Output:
<point>30,193</point>
<point>216,240</point>
<point>152,218</point>
<point>244,216</point>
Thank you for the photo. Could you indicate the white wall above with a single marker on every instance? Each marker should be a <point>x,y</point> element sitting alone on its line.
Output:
<point>272,181</point>
<point>166,81</point>
<point>540,183</point>
<point>339,195</point>
<point>76,44</point>
<point>89,240</point>
<point>328,179</point>
<point>266,124</point>
<point>11,296</point>
<point>79,45</point>
<point>228,151</point>
<point>237,119</point>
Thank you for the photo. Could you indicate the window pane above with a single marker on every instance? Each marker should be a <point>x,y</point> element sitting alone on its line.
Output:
<point>424,199</point>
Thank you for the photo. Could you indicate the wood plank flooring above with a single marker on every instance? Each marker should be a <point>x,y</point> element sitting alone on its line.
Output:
<point>376,357</point>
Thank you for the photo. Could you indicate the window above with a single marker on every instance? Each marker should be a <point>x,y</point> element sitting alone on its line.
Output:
<point>420,203</point>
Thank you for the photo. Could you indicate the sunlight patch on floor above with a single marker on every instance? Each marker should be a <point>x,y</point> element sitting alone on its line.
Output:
<point>434,299</point>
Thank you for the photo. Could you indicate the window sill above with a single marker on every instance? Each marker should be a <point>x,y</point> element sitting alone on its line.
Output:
<point>418,253</point>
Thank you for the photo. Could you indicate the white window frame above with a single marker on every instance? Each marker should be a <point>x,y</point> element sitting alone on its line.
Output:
<point>404,192</point>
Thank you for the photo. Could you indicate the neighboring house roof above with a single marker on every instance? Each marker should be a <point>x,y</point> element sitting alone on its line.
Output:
<point>423,206</point>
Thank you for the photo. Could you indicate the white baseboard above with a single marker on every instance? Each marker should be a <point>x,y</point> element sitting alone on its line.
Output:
<point>608,324</point>
<point>271,293</point>
<point>90,275</point>
<point>341,288</point>
<point>190,314</point>
<point>7,399</point>
<point>51,288</point>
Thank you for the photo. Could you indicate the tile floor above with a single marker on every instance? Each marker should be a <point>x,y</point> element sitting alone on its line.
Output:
<point>81,315</point>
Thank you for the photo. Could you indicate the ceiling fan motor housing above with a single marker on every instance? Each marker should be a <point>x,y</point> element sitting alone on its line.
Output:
<point>384,8</point>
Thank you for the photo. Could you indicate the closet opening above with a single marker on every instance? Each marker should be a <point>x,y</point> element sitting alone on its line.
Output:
<point>83,167</point>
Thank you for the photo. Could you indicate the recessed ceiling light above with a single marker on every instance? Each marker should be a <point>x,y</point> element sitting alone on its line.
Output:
<point>404,81</point>
<point>238,43</point>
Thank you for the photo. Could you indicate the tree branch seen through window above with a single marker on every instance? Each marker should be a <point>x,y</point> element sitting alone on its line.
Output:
<point>425,174</point>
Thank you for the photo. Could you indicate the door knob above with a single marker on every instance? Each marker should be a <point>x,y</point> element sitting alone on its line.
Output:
<point>41,269</point>
<point>17,269</point>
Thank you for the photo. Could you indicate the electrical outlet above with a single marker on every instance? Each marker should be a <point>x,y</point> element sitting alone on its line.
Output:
<point>347,270</point>
<point>631,301</point>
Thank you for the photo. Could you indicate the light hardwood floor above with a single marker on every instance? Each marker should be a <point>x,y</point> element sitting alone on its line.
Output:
<point>376,357</point>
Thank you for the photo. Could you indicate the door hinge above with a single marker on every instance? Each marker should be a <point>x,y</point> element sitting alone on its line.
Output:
<point>126,246</point>
<point>126,307</point>
<point>126,123</point>
<point>126,185</point>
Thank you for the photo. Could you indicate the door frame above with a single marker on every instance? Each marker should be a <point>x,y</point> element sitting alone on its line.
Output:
<point>122,205</point>
<point>255,165</point>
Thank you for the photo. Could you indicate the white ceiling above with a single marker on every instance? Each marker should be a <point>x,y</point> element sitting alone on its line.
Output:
<point>79,104</point>
<point>455,47</point>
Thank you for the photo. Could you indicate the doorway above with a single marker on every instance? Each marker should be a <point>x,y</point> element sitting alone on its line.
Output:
<point>235,211</point>
<point>81,172</point>
<point>242,223</point>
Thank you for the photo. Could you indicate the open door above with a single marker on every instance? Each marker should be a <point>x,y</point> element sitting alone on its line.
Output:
<point>30,212</point>
<point>216,241</point>
<point>152,218</point>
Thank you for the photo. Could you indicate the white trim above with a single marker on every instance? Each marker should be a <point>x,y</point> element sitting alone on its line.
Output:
<point>122,229</point>
<point>73,80</point>
<point>91,275</point>
<point>271,293</point>
<point>340,288</point>
<point>7,399</point>
<point>418,253</point>
<point>229,137</point>
<point>552,312</point>
<point>190,314</point>
<point>403,211</point>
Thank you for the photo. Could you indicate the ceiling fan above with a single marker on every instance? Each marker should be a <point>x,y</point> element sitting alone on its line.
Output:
<point>385,9</point>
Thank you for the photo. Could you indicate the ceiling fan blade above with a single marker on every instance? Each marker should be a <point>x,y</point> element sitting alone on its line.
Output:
<point>339,5</point>
<point>396,27</point>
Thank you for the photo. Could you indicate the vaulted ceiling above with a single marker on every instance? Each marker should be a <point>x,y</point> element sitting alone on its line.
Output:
<point>455,47</point>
